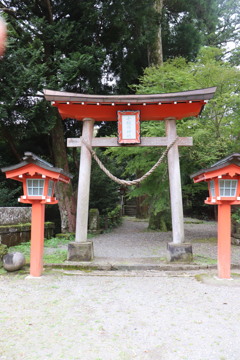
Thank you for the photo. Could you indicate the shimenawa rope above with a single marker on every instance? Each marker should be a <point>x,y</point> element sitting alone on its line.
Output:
<point>127,182</point>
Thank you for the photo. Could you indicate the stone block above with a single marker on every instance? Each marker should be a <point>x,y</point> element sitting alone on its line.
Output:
<point>179,252</point>
<point>15,215</point>
<point>12,235</point>
<point>13,261</point>
<point>94,221</point>
<point>235,240</point>
<point>78,251</point>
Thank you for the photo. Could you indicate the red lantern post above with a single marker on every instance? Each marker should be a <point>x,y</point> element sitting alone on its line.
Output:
<point>224,190</point>
<point>38,178</point>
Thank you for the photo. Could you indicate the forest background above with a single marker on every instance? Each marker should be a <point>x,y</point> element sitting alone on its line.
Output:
<point>118,47</point>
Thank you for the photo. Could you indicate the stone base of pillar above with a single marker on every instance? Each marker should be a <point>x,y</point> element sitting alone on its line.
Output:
<point>180,252</point>
<point>78,251</point>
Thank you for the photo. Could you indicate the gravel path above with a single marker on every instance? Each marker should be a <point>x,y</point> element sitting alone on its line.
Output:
<point>133,240</point>
<point>144,315</point>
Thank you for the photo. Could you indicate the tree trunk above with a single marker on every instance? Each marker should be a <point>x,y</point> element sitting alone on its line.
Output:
<point>156,55</point>
<point>64,192</point>
<point>142,208</point>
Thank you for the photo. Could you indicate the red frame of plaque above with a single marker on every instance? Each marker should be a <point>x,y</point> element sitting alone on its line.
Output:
<point>129,133</point>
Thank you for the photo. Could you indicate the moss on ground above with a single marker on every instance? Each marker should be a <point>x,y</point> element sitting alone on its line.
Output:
<point>205,240</point>
<point>201,259</point>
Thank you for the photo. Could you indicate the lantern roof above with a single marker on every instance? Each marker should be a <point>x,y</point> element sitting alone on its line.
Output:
<point>32,163</point>
<point>228,165</point>
<point>152,106</point>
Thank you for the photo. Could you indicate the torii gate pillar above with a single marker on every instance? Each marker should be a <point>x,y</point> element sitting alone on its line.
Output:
<point>177,249</point>
<point>82,249</point>
<point>175,183</point>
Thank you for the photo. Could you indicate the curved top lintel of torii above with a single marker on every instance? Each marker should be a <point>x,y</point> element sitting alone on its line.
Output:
<point>151,106</point>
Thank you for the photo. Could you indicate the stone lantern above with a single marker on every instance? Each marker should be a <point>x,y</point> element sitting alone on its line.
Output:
<point>39,179</point>
<point>224,190</point>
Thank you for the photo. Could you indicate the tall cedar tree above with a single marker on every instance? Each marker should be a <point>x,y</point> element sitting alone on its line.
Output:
<point>71,46</point>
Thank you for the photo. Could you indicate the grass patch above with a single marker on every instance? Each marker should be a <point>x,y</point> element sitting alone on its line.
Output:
<point>194,222</point>
<point>24,248</point>
<point>55,242</point>
<point>236,275</point>
<point>199,277</point>
<point>200,259</point>
<point>58,255</point>
<point>3,271</point>
<point>134,219</point>
<point>205,240</point>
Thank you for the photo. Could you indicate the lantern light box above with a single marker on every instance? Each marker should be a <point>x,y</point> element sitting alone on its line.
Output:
<point>38,178</point>
<point>223,180</point>
<point>129,127</point>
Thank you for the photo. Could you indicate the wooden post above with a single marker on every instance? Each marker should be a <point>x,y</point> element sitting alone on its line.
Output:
<point>224,241</point>
<point>84,182</point>
<point>37,239</point>
<point>175,184</point>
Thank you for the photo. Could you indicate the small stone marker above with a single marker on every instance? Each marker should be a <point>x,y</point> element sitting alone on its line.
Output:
<point>94,221</point>
<point>13,261</point>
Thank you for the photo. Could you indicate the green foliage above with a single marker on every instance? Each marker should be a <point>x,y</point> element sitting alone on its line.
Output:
<point>104,193</point>
<point>72,46</point>
<point>171,77</point>
<point>215,132</point>
<point>3,251</point>
<point>219,121</point>
<point>9,195</point>
<point>186,25</point>
<point>137,161</point>
<point>160,221</point>
<point>227,29</point>
<point>111,219</point>
<point>236,215</point>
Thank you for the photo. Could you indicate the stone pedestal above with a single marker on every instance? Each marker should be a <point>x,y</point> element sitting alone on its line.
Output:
<point>180,252</point>
<point>80,251</point>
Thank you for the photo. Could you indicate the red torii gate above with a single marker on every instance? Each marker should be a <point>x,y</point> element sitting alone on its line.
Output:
<point>90,108</point>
